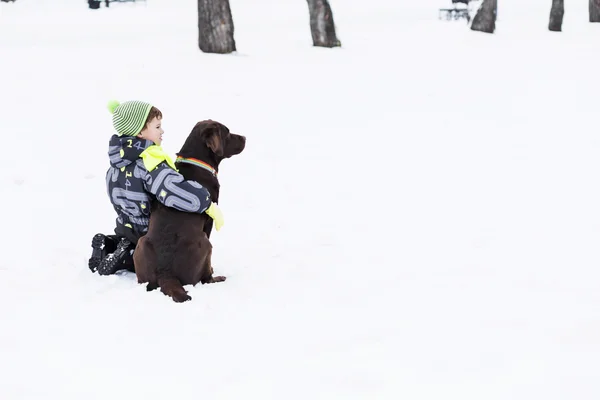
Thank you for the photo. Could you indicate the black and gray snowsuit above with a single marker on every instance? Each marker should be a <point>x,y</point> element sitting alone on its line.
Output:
<point>134,179</point>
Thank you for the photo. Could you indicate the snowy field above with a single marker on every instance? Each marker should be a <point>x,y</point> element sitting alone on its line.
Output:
<point>416,214</point>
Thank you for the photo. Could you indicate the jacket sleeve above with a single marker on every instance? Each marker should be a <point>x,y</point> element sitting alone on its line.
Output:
<point>172,190</point>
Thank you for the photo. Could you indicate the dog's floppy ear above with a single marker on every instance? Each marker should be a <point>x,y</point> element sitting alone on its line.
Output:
<point>212,138</point>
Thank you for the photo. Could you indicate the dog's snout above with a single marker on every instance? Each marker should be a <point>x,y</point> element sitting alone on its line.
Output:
<point>241,140</point>
<point>237,144</point>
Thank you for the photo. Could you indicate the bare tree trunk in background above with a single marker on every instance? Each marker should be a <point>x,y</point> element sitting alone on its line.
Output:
<point>594,10</point>
<point>485,19</point>
<point>556,15</point>
<point>215,27</point>
<point>322,27</point>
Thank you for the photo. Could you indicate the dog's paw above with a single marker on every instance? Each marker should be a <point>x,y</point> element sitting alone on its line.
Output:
<point>218,279</point>
<point>181,297</point>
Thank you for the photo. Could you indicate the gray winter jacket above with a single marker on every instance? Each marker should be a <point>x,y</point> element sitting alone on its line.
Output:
<point>134,179</point>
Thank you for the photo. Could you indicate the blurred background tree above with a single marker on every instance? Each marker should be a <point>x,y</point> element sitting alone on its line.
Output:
<point>594,10</point>
<point>215,27</point>
<point>485,19</point>
<point>322,26</point>
<point>557,13</point>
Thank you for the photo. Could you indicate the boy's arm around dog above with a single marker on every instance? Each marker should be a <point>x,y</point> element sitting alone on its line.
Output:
<point>172,190</point>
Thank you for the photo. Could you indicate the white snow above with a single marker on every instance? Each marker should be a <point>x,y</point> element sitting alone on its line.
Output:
<point>416,214</point>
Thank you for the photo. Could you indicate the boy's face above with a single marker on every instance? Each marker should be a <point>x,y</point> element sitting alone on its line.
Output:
<point>152,131</point>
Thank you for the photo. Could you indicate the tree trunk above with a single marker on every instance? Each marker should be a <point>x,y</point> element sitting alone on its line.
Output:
<point>556,15</point>
<point>322,26</point>
<point>485,19</point>
<point>594,10</point>
<point>215,26</point>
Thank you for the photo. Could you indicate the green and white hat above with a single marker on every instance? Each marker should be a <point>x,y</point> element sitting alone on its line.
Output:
<point>129,117</point>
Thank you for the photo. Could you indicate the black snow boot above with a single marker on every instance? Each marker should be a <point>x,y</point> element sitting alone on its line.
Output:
<point>102,245</point>
<point>119,259</point>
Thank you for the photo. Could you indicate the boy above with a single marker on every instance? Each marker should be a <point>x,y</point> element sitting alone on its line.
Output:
<point>139,172</point>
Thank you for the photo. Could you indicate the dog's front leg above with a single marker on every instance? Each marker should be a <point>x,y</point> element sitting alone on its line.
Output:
<point>172,287</point>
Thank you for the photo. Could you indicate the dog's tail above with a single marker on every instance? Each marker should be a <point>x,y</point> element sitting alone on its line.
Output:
<point>173,288</point>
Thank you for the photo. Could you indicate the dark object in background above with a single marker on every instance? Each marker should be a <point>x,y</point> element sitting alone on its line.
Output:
<point>107,2</point>
<point>485,19</point>
<point>95,4</point>
<point>6,1</point>
<point>322,26</point>
<point>215,27</point>
<point>556,15</point>
<point>594,10</point>
<point>456,13</point>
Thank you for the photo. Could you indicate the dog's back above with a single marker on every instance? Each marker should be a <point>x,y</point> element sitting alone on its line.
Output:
<point>176,252</point>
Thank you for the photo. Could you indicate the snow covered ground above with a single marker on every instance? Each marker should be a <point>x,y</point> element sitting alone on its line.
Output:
<point>416,214</point>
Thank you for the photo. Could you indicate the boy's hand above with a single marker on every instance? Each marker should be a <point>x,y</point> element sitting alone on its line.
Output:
<point>215,213</point>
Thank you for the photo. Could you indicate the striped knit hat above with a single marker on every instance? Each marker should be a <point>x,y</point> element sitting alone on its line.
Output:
<point>129,117</point>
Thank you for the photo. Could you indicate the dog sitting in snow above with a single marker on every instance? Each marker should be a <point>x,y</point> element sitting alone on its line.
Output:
<point>177,251</point>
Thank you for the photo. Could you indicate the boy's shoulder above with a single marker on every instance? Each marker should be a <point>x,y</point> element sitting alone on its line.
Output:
<point>130,147</point>
<point>155,156</point>
<point>130,142</point>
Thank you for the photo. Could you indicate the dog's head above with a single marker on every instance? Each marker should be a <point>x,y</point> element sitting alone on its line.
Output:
<point>212,141</point>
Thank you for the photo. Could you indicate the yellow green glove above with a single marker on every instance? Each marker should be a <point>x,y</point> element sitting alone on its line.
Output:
<point>215,213</point>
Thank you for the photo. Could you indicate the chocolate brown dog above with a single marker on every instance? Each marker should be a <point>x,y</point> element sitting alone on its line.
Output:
<point>176,251</point>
